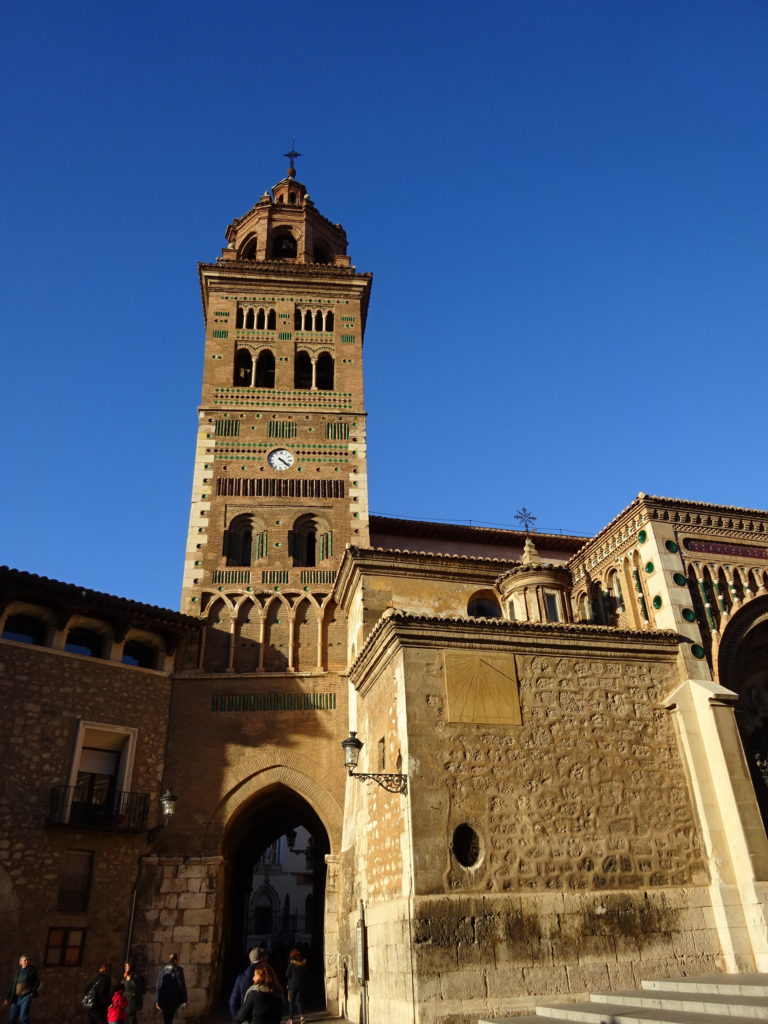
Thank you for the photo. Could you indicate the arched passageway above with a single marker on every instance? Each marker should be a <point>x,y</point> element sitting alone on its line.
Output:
<point>275,892</point>
<point>743,668</point>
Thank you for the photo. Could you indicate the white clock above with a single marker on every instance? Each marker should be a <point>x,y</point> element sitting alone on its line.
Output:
<point>280,458</point>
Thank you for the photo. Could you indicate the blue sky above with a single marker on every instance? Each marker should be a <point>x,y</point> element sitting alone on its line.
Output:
<point>563,205</point>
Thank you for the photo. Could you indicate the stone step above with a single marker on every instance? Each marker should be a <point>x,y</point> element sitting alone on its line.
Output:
<point>620,1013</point>
<point>722,984</point>
<point>692,1001</point>
<point>735,998</point>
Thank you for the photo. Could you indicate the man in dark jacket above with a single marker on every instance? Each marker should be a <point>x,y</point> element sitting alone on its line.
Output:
<point>171,989</point>
<point>22,990</point>
<point>244,980</point>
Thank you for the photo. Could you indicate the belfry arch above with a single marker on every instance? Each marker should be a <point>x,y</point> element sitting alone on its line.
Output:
<point>743,668</point>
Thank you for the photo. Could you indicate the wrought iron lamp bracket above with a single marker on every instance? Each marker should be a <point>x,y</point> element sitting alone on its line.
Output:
<point>393,782</point>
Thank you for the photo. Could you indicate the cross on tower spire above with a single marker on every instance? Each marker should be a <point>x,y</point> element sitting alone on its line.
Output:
<point>292,154</point>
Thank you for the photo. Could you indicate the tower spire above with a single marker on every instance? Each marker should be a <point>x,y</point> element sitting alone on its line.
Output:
<point>292,154</point>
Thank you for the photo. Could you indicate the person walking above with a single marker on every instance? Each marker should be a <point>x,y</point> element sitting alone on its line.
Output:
<point>296,986</point>
<point>171,989</point>
<point>263,1000</point>
<point>135,987</point>
<point>22,990</point>
<point>244,980</point>
<point>97,995</point>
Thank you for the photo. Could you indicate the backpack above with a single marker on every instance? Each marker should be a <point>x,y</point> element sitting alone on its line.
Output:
<point>89,999</point>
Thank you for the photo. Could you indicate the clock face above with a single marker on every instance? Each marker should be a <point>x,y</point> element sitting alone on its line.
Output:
<point>280,458</point>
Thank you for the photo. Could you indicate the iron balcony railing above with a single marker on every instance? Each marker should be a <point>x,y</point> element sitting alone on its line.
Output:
<point>116,812</point>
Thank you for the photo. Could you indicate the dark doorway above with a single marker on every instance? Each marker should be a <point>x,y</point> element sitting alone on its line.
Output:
<point>275,892</point>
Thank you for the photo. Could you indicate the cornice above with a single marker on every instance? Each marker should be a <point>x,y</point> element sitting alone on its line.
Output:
<point>280,268</point>
<point>696,517</point>
<point>476,534</point>
<point>358,561</point>
<point>399,628</point>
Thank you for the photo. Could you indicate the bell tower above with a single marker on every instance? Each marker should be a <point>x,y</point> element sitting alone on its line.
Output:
<point>280,481</point>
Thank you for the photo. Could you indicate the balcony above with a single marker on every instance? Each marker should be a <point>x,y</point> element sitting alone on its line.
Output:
<point>81,807</point>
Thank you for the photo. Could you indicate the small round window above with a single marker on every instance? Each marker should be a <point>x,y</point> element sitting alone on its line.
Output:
<point>466,846</point>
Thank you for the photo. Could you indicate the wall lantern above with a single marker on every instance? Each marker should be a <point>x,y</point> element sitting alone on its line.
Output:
<point>168,809</point>
<point>393,782</point>
<point>168,805</point>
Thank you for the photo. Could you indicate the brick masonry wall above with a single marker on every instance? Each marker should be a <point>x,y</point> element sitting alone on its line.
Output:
<point>44,694</point>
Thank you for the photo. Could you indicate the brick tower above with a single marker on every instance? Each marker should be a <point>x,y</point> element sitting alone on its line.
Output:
<point>280,483</point>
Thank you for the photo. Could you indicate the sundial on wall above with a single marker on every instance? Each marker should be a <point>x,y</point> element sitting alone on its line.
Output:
<point>482,687</point>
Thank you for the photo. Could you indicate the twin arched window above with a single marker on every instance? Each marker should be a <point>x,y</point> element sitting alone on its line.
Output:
<point>260,374</point>
<point>318,373</point>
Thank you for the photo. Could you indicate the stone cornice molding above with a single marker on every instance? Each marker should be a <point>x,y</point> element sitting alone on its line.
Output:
<point>282,268</point>
<point>357,562</point>
<point>398,629</point>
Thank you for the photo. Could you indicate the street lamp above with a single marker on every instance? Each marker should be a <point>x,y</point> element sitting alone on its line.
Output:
<point>393,782</point>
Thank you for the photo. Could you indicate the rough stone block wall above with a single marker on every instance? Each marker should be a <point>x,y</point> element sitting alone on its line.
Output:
<point>177,911</point>
<point>44,694</point>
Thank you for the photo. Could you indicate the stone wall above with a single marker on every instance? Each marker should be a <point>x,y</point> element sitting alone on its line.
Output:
<point>45,694</point>
<point>550,744</point>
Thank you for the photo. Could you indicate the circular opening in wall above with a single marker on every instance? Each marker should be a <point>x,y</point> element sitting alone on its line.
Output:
<point>689,615</point>
<point>641,537</point>
<point>671,546</point>
<point>466,846</point>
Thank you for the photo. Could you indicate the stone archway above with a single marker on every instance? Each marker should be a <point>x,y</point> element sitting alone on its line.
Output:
<point>743,668</point>
<point>276,847</point>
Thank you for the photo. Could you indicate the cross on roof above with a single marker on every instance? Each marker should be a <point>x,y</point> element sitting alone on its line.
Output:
<point>526,518</point>
<point>292,154</point>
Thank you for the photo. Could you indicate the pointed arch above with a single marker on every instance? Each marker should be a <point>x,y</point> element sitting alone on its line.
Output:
<point>249,319</point>
<point>305,636</point>
<point>248,636</point>
<point>218,636</point>
<point>276,633</point>
<point>308,320</point>
<point>302,540</point>
<point>329,320</point>
<point>318,321</point>
<point>239,318</point>
<point>271,320</point>
<point>334,636</point>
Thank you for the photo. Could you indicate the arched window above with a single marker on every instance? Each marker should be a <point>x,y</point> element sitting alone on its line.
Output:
<point>483,606</point>
<point>318,321</point>
<point>249,320</point>
<point>324,372</point>
<point>239,317</point>
<point>597,598</point>
<point>24,629</point>
<point>617,598</point>
<point>243,368</point>
<point>284,246</point>
<point>85,641</point>
<point>271,320</point>
<point>329,321</point>
<point>302,541</point>
<point>249,250</point>
<point>238,541</point>
<point>297,321</point>
<point>302,372</point>
<point>292,198</point>
<point>308,321</point>
<point>260,320</point>
<point>139,654</point>
<point>265,369</point>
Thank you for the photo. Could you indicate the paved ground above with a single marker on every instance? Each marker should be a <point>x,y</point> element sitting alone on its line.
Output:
<point>317,1017</point>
